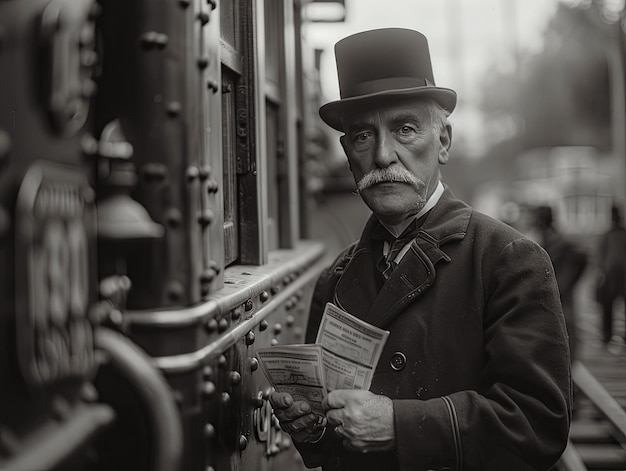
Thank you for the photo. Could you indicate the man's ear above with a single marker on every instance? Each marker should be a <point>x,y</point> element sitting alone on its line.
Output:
<point>342,141</point>
<point>445,138</point>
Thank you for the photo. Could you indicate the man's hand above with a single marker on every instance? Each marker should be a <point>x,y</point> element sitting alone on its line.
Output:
<point>363,419</point>
<point>296,418</point>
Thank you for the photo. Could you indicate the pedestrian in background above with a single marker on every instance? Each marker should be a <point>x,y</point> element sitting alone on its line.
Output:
<point>610,283</point>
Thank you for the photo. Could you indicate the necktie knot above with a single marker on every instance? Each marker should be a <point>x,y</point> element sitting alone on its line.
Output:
<point>386,263</point>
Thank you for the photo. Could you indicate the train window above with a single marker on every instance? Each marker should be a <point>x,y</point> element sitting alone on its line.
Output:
<point>232,19</point>
<point>229,166</point>
<point>276,64</point>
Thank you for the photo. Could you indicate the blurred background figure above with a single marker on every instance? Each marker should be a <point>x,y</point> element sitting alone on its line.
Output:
<point>569,262</point>
<point>610,283</point>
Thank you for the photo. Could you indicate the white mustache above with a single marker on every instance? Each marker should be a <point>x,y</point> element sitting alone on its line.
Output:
<point>388,174</point>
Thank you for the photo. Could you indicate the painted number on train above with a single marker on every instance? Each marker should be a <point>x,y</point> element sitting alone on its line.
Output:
<point>55,336</point>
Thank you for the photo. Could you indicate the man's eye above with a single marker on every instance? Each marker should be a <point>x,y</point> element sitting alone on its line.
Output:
<point>405,130</point>
<point>361,137</point>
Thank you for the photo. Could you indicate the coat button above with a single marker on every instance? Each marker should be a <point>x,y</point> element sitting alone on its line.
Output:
<point>398,361</point>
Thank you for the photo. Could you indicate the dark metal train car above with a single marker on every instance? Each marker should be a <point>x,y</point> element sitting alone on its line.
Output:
<point>151,231</point>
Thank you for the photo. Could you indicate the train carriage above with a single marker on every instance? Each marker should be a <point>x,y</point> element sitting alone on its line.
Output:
<point>151,230</point>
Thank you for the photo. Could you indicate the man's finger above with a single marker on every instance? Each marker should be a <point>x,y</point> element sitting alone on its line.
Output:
<point>335,399</point>
<point>280,400</point>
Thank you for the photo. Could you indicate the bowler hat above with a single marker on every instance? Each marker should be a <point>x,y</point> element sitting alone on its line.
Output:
<point>381,63</point>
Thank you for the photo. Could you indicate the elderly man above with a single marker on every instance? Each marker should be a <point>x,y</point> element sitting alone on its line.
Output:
<point>475,372</point>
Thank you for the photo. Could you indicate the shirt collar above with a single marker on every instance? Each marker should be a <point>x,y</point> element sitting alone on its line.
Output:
<point>430,204</point>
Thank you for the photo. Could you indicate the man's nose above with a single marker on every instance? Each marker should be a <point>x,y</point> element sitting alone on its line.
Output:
<point>385,151</point>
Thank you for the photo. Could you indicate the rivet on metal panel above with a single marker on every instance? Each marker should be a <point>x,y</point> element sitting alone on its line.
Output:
<point>250,338</point>
<point>89,145</point>
<point>175,290</point>
<point>115,317</point>
<point>274,342</point>
<point>95,11</point>
<point>212,3</point>
<point>257,402</point>
<point>278,328</point>
<point>264,296</point>
<point>192,173</point>
<point>227,88</point>
<point>225,398</point>
<point>205,289</point>
<point>274,289</point>
<point>214,266</point>
<point>297,332</point>
<point>236,313</point>
<point>253,363</point>
<point>89,88</point>
<point>207,372</point>
<point>263,325</point>
<point>203,16</point>
<point>161,40</point>
<point>87,36</point>
<point>173,109</point>
<point>234,378</point>
<point>213,86</point>
<point>88,58</point>
<point>203,62</point>
<point>243,442</point>
<point>208,389</point>
<point>207,275</point>
<point>211,325</point>
<point>249,305</point>
<point>221,361</point>
<point>209,431</point>
<point>222,325</point>
<point>205,171</point>
<point>89,196</point>
<point>212,186</point>
<point>173,217</point>
<point>206,217</point>
<point>289,320</point>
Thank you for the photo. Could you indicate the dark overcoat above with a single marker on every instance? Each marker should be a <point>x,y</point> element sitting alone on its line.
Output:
<point>477,360</point>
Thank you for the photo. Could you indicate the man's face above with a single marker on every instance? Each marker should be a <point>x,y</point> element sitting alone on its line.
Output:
<point>394,152</point>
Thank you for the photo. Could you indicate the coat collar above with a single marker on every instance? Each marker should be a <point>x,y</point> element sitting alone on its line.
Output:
<point>356,290</point>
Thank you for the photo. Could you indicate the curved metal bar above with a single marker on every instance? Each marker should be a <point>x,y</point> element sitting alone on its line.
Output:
<point>136,367</point>
<point>192,360</point>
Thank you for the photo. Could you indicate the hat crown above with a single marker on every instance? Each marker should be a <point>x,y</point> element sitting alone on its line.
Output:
<point>382,64</point>
<point>381,59</point>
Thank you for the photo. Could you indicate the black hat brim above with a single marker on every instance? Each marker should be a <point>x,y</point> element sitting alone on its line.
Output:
<point>331,113</point>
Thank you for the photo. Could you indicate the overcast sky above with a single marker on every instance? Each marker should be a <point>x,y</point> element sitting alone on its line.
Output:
<point>466,38</point>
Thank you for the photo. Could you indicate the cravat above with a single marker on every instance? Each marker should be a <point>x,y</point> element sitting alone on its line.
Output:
<point>386,263</point>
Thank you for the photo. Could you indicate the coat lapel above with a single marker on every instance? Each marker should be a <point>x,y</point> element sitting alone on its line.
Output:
<point>413,276</point>
<point>356,290</point>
